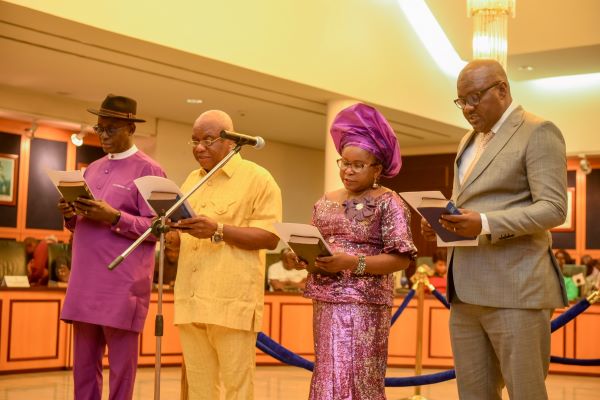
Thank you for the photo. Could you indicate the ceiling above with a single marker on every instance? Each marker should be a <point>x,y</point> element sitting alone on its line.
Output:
<point>554,37</point>
<point>71,61</point>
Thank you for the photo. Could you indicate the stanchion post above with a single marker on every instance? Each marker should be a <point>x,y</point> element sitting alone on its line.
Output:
<point>420,282</point>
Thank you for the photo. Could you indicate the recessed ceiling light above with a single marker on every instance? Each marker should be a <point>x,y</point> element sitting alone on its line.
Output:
<point>525,68</point>
<point>194,101</point>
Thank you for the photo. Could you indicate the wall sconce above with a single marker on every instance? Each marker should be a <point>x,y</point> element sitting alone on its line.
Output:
<point>30,132</point>
<point>77,138</point>
<point>584,164</point>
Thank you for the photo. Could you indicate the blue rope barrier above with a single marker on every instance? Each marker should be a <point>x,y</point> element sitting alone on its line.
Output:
<point>569,315</point>
<point>407,300</point>
<point>421,380</point>
<point>576,361</point>
<point>277,351</point>
<point>441,298</point>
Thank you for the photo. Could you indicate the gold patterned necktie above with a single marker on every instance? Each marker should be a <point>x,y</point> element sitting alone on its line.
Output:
<point>482,141</point>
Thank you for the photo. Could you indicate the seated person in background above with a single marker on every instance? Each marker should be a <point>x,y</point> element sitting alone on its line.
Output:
<point>36,252</point>
<point>592,279</point>
<point>284,277</point>
<point>60,270</point>
<point>171,258</point>
<point>438,279</point>
<point>590,263</point>
<point>563,257</point>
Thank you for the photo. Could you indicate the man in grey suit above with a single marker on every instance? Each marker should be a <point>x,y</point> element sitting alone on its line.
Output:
<point>510,185</point>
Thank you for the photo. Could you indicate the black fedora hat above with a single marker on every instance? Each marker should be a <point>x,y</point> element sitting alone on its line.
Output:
<point>118,107</point>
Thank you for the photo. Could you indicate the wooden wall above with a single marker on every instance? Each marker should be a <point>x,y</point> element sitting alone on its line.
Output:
<point>33,338</point>
<point>34,212</point>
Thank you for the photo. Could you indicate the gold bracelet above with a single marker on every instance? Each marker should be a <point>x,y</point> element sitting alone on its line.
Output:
<point>362,266</point>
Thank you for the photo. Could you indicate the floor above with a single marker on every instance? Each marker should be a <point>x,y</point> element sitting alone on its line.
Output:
<point>272,383</point>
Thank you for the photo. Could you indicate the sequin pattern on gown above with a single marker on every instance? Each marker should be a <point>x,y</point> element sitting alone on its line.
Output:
<point>387,230</point>
<point>351,314</point>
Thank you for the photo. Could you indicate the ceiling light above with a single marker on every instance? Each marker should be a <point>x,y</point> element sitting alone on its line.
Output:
<point>30,132</point>
<point>490,28</point>
<point>194,101</point>
<point>527,68</point>
<point>432,36</point>
<point>77,138</point>
<point>584,164</point>
<point>568,83</point>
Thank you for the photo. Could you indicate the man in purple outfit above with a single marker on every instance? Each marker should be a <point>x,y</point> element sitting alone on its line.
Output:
<point>108,308</point>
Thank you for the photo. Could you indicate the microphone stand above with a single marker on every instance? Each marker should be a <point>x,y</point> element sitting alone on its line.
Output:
<point>159,228</point>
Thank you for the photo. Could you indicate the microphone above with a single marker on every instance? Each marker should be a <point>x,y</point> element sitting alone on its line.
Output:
<point>255,141</point>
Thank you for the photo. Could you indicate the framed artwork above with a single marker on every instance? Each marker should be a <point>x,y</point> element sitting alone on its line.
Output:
<point>9,167</point>
<point>569,224</point>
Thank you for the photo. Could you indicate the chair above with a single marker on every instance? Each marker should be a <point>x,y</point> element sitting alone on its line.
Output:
<point>12,258</point>
<point>573,269</point>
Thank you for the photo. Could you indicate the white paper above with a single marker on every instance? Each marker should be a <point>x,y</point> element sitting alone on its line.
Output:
<point>150,183</point>
<point>13,281</point>
<point>64,176</point>
<point>414,199</point>
<point>286,229</point>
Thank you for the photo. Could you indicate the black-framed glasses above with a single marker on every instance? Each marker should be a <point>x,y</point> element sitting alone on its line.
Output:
<point>109,130</point>
<point>203,142</point>
<point>356,166</point>
<point>473,99</point>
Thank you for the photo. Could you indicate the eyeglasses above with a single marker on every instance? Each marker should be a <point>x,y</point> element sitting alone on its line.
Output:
<point>356,166</point>
<point>473,99</point>
<point>203,142</point>
<point>110,130</point>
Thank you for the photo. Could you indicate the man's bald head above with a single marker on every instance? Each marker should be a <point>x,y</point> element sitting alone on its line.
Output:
<point>491,70</point>
<point>487,83</point>
<point>213,121</point>
<point>206,132</point>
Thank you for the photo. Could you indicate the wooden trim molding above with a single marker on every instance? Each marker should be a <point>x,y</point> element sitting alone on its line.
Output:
<point>55,356</point>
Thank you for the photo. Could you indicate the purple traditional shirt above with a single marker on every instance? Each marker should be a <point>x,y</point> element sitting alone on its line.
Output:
<point>369,226</point>
<point>95,294</point>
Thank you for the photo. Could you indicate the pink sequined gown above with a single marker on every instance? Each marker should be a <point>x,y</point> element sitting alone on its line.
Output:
<point>351,317</point>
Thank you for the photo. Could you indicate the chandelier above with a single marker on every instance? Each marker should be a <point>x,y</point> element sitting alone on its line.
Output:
<point>490,27</point>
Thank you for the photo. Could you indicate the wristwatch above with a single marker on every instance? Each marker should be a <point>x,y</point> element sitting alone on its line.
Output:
<point>218,235</point>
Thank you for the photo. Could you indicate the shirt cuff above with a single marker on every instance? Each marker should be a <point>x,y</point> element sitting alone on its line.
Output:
<point>485,225</point>
<point>124,223</point>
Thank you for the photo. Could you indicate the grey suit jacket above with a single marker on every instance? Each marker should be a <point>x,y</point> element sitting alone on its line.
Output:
<point>520,183</point>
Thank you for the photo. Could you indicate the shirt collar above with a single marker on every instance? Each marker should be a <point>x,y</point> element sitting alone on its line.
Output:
<point>127,153</point>
<point>229,168</point>
<point>504,116</point>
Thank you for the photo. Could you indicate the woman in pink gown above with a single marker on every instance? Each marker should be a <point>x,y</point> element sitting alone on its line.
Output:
<point>367,226</point>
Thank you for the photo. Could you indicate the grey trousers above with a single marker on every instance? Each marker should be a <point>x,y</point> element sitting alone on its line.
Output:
<point>494,347</point>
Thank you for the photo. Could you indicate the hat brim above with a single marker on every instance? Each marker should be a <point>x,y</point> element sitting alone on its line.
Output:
<point>112,115</point>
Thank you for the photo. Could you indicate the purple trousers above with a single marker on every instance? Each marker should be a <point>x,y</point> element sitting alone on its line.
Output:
<point>90,342</point>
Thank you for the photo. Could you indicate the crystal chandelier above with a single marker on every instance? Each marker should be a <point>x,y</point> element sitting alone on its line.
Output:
<point>490,27</point>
